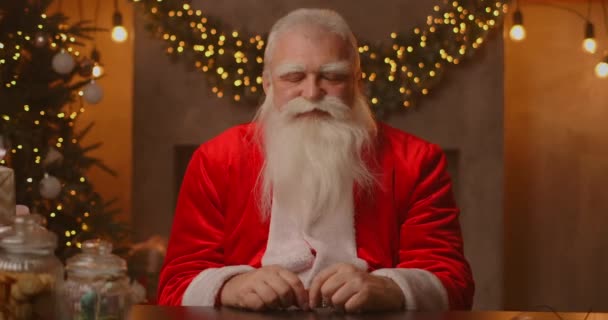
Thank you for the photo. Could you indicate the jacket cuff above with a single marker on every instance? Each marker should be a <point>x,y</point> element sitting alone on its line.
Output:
<point>422,290</point>
<point>203,289</point>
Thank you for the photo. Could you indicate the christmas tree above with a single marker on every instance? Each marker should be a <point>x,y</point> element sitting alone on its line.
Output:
<point>45,84</point>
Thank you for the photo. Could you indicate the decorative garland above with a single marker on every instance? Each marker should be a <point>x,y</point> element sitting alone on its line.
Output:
<point>396,74</point>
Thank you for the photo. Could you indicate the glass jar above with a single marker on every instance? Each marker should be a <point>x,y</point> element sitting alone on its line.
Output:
<point>30,273</point>
<point>97,286</point>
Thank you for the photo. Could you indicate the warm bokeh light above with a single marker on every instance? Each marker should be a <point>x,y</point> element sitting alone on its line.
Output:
<point>119,34</point>
<point>590,45</point>
<point>601,69</point>
<point>97,70</point>
<point>517,32</point>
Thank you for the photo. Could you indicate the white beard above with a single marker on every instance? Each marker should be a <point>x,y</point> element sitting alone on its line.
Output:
<point>312,162</point>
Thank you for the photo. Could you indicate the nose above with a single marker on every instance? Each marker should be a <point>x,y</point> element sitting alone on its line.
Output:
<point>312,90</point>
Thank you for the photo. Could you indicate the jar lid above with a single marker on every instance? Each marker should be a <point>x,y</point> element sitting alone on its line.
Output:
<point>96,260</point>
<point>27,235</point>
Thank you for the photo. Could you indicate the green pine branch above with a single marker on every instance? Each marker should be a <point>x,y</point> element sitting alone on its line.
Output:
<point>39,110</point>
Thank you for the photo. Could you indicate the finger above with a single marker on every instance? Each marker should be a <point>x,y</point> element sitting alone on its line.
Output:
<point>297,288</point>
<point>356,302</point>
<point>343,293</point>
<point>283,290</point>
<point>267,294</point>
<point>336,281</point>
<point>252,301</point>
<point>314,291</point>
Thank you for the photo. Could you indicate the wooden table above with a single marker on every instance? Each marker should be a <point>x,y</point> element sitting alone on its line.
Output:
<point>142,312</point>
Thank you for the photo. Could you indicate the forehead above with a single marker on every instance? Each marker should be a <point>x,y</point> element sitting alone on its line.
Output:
<point>309,47</point>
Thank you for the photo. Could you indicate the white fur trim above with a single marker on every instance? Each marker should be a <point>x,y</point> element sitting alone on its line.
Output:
<point>422,290</point>
<point>332,237</point>
<point>204,288</point>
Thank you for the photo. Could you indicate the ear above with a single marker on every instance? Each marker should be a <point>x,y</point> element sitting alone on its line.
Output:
<point>359,80</point>
<point>266,81</point>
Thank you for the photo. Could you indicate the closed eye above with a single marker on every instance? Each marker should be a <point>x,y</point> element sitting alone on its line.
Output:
<point>334,76</point>
<point>293,76</point>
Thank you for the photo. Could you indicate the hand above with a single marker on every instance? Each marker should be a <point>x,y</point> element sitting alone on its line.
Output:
<point>269,287</point>
<point>347,288</point>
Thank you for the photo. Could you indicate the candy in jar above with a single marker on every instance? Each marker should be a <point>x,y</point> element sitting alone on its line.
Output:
<point>97,286</point>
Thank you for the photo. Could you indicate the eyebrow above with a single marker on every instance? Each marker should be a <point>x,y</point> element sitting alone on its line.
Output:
<point>288,68</point>
<point>340,67</point>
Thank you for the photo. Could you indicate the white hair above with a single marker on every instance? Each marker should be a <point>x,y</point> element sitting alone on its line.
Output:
<point>325,19</point>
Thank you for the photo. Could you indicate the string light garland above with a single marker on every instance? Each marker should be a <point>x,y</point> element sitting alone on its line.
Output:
<point>517,31</point>
<point>396,74</point>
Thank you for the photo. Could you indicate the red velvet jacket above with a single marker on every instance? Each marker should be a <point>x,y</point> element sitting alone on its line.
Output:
<point>411,221</point>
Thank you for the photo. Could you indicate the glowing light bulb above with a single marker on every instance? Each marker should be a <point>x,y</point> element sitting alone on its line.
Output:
<point>97,70</point>
<point>601,69</point>
<point>119,34</point>
<point>517,32</point>
<point>589,44</point>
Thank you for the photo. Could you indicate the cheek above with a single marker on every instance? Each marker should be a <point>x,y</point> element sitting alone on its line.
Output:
<point>343,92</point>
<point>284,95</point>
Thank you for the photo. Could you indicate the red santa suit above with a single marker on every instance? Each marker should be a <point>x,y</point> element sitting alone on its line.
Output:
<point>407,229</point>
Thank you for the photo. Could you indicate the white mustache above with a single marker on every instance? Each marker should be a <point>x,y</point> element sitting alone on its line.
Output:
<point>331,105</point>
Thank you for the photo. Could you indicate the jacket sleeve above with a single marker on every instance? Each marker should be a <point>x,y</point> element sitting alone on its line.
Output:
<point>432,270</point>
<point>194,270</point>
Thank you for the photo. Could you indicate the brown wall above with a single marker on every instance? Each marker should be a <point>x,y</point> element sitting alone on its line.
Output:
<point>173,107</point>
<point>556,165</point>
<point>113,116</point>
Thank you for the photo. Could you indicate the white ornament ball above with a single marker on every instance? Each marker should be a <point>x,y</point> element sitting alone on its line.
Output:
<point>53,156</point>
<point>50,187</point>
<point>63,62</point>
<point>92,93</point>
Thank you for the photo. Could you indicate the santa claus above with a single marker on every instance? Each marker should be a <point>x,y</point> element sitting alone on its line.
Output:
<point>315,203</point>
